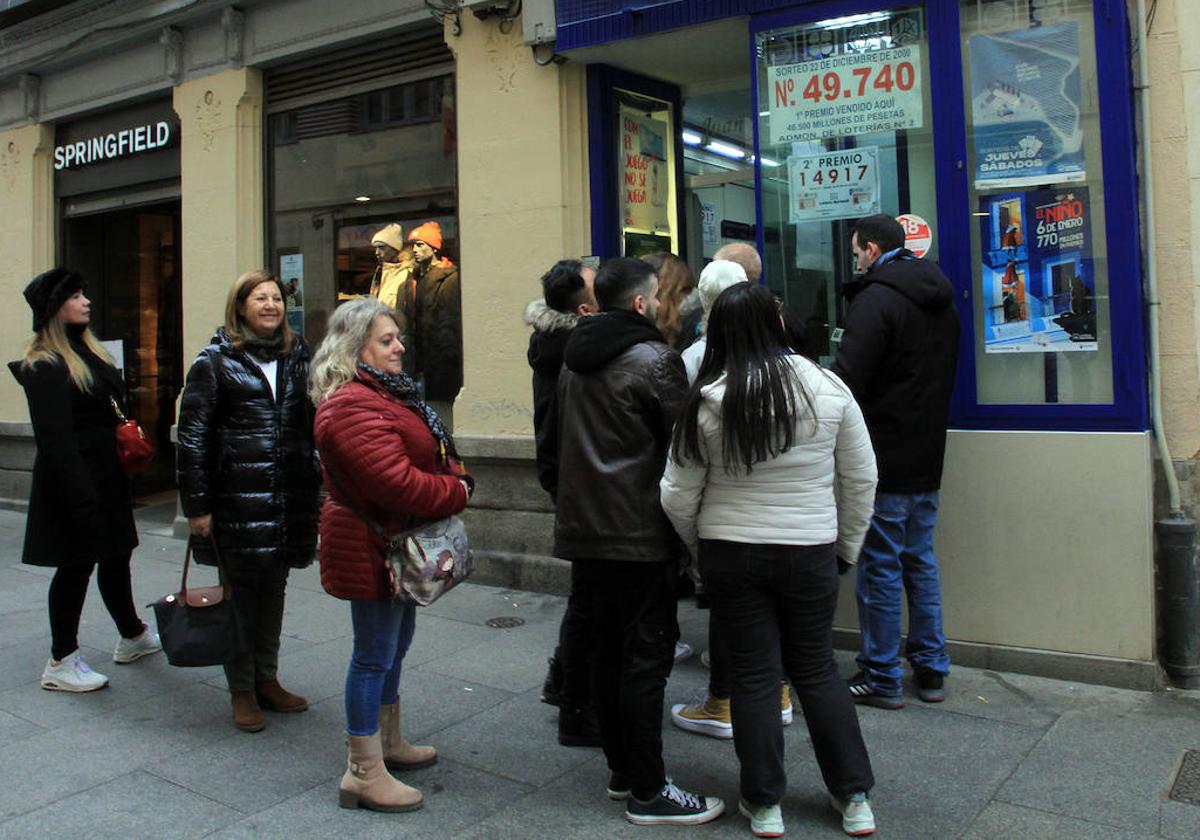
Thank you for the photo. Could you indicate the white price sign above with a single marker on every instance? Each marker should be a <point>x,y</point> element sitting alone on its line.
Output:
<point>855,93</point>
<point>833,185</point>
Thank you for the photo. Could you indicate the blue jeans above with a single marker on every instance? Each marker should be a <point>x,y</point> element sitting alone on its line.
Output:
<point>383,630</point>
<point>899,552</point>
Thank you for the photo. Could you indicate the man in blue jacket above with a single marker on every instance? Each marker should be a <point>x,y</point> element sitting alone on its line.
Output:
<point>898,354</point>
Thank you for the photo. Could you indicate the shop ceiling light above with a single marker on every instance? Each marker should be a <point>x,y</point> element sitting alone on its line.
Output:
<point>362,198</point>
<point>692,138</point>
<point>766,161</point>
<point>852,20</point>
<point>725,150</point>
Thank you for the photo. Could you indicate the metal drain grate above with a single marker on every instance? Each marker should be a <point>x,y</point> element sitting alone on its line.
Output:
<point>504,622</point>
<point>1187,780</point>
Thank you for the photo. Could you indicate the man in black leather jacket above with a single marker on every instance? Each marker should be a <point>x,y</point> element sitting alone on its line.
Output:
<point>618,397</point>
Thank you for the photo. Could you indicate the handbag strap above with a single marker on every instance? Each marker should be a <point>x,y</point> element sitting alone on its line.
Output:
<point>187,559</point>
<point>120,414</point>
<point>362,514</point>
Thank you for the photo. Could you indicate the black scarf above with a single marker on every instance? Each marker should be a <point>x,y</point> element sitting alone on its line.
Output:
<point>266,348</point>
<point>402,387</point>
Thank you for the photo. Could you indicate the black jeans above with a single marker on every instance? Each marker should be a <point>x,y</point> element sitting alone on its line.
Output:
<point>575,648</point>
<point>775,603</point>
<point>634,631</point>
<point>258,600</point>
<point>68,590</point>
<point>718,659</point>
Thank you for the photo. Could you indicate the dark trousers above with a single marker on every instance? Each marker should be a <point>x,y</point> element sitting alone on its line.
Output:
<point>633,637</point>
<point>775,603</point>
<point>68,589</point>
<point>575,649</point>
<point>718,659</point>
<point>258,600</point>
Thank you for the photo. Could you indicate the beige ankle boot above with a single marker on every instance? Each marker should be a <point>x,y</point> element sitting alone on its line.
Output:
<point>368,784</point>
<point>398,754</point>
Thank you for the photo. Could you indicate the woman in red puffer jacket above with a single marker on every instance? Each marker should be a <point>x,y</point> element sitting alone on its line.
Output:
<point>384,453</point>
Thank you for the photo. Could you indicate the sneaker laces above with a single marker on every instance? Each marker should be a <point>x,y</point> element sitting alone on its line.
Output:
<point>80,667</point>
<point>680,797</point>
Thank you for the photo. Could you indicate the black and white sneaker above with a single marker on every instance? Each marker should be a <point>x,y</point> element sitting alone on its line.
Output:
<point>862,692</point>
<point>673,806</point>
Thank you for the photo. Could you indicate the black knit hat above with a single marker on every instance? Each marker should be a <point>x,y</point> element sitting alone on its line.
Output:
<point>47,292</point>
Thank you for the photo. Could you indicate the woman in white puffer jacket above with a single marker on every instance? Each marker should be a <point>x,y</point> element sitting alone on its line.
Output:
<point>770,483</point>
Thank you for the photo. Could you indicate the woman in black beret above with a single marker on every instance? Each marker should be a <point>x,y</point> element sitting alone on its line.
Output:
<point>81,503</point>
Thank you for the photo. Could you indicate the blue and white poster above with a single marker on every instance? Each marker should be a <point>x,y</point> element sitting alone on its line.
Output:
<point>1039,286</point>
<point>1025,104</point>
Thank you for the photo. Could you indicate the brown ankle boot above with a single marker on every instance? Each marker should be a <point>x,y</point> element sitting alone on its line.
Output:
<point>367,783</point>
<point>398,754</point>
<point>275,698</point>
<point>247,716</point>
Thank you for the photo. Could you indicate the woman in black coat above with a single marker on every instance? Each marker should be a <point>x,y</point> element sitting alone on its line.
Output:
<point>81,504</point>
<point>248,477</point>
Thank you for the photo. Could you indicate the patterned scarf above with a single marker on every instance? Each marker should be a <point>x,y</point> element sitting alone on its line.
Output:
<point>402,387</point>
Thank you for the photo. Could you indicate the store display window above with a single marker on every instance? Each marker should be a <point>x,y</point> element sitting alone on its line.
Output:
<point>341,170</point>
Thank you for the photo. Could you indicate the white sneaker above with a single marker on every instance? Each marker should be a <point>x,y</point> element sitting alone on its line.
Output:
<point>857,817</point>
<point>130,649</point>
<point>71,674</point>
<point>765,820</point>
<point>705,659</point>
<point>682,651</point>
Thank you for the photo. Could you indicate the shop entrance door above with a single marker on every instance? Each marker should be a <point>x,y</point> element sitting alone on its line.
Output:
<point>130,259</point>
<point>844,98</point>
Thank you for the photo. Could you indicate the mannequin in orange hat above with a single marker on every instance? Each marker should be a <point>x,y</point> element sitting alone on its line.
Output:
<point>436,349</point>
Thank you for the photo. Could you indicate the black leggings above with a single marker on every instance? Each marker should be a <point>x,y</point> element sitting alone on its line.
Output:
<point>68,590</point>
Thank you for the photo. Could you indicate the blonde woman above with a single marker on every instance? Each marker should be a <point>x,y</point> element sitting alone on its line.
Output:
<point>386,454</point>
<point>248,475</point>
<point>81,503</point>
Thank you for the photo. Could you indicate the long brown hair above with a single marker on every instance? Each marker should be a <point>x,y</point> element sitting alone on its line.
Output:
<point>50,344</point>
<point>675,282</point>
<point>235,327</point>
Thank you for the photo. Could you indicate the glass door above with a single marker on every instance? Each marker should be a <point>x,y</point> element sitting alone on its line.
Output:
<point>845,130</point>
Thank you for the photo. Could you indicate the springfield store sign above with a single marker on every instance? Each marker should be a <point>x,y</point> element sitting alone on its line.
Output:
<point>116,144</point>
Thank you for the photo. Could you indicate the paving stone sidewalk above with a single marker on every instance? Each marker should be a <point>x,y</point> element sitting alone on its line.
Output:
<point>155,754</point>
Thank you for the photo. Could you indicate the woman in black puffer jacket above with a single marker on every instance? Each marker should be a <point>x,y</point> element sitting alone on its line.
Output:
<point>248,476</point>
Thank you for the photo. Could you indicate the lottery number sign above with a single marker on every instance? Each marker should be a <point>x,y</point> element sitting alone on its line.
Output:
<point>834,185</point>
<point>849,94</point>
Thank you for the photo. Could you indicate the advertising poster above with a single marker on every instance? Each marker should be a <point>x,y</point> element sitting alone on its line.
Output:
<point>1039,287</point>
<point>1025,104</point>
<point>844,95</point>
<point>833,185</point>
<point>291,274</point>
<point>643,173</point>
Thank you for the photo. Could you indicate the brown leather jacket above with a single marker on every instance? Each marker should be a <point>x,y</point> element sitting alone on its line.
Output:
<point>618,397</point>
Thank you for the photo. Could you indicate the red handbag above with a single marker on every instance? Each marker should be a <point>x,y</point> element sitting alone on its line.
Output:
<point>134,449</point>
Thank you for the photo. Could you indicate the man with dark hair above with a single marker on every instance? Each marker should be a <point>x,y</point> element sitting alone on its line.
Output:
<point>567,297</point>
<point>618,397</point>
<point>898,354</point>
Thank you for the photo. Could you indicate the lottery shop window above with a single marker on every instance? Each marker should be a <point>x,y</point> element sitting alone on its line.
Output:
<point>845,130</point>
<point>1042,319</point>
